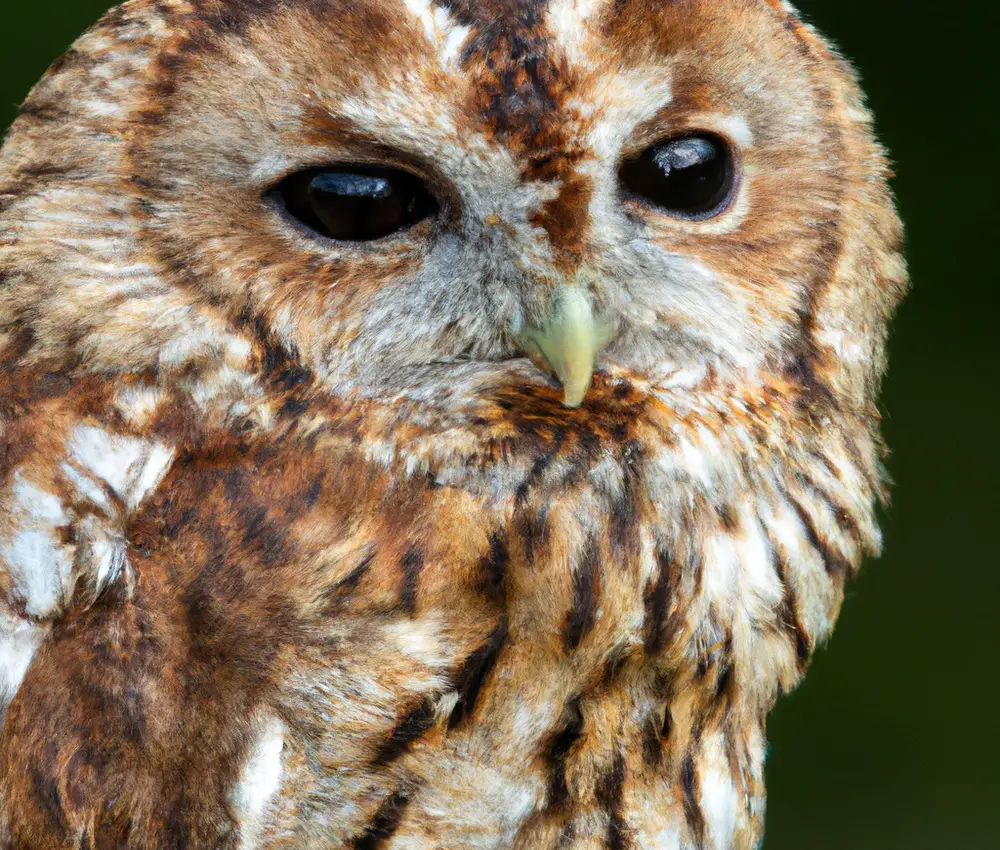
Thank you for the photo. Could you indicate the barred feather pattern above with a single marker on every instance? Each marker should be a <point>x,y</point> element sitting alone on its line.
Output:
<point>268,579</point>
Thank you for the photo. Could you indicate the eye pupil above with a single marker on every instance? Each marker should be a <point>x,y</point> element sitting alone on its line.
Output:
<point>691,177</point>
<point>347,185</point>
<point>356,204</point>
<point>685,153</point>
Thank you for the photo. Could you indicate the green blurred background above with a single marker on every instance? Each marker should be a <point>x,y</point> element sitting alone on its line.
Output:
<point>894,739</point>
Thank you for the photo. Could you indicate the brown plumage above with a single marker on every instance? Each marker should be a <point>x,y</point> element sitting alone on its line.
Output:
<point>300,546</point>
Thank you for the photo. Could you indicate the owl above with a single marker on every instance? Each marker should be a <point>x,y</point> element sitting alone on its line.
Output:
<point>429,424</point>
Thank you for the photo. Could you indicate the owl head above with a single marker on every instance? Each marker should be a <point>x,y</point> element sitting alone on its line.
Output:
<point>435,200</point>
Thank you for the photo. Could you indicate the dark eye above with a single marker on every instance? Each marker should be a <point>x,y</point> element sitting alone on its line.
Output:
<point>689,177</point>
<point>356,203</point>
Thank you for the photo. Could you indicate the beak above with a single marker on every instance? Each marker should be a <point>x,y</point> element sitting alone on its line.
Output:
<point>569,342</point>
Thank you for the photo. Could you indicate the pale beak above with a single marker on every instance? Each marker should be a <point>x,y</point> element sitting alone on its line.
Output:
<point>569,342</point>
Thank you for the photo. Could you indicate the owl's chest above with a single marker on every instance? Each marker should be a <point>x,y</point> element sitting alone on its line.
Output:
<point>579,579</point>
<point>514,654</point>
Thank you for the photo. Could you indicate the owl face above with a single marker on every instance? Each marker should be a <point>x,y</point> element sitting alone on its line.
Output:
<point>431,200</point>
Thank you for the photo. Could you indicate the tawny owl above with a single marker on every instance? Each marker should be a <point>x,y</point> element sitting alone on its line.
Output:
<point>429,423</point>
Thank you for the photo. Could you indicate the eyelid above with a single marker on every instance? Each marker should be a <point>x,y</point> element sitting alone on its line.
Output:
<point>274,167</point>
<point>668,124</point>
<point>326,244</point>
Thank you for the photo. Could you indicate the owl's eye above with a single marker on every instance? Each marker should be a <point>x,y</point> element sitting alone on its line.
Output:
<point>356,203</point>
<point>689,177</point>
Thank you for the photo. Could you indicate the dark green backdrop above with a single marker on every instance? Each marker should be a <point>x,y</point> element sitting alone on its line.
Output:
<point>892,742</point>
